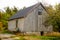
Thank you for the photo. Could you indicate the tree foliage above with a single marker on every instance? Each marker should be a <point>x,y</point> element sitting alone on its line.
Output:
<point>4,16</point>
<point>54,17</point>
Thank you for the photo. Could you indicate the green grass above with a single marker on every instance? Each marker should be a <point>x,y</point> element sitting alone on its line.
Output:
<point>38,37</point>
<point>46,37</point>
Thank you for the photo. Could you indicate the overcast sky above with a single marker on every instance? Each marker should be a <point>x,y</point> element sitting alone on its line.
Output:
<point>22,3</point>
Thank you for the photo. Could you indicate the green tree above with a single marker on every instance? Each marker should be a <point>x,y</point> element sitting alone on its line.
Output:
<point>4,16</point>
<point>54,17</point>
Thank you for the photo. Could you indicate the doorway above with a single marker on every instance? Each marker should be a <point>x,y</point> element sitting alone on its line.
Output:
<point>42,33</point>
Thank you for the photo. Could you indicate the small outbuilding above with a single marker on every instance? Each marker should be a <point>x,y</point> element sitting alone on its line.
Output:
<point>30,19</point>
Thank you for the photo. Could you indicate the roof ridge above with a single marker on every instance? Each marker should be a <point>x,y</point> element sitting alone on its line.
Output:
<point>24,12</point>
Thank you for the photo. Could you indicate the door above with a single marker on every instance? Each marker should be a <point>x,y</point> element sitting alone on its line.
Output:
<point>42,33</point>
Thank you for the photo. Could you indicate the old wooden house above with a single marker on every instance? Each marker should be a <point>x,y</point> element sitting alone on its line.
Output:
<point>30,19</point>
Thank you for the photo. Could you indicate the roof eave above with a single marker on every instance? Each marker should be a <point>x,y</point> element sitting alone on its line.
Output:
<point>15,18</point>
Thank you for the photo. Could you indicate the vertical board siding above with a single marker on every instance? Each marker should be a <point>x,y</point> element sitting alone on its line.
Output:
<point>12,25</point>
<point>30,22</point>
<point>34,22</point>
<point>41,20</point>
<point>21,24</point>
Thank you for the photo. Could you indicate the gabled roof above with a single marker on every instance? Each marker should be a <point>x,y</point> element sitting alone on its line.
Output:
<point>24,12</point>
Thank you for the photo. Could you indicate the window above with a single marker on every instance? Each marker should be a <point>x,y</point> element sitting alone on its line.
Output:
<point>39,13</point>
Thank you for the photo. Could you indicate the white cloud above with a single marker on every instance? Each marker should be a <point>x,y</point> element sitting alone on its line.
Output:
<point>22,3</point>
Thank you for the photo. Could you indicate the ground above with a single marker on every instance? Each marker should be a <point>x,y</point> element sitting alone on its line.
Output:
<point>26,37</point>
<point>18,36</point>
<point>15,37</point>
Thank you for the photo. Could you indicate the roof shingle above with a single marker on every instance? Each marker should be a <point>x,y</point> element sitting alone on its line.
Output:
<point>22,12</point>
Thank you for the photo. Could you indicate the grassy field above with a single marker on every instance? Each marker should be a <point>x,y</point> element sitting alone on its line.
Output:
<point>46,37</point>
<point>49,36</point>
<point>36,38</point>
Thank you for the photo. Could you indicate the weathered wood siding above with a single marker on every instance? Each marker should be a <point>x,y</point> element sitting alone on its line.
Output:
<point>30,22</point>
<point>50,28</point>
<point>41,20</point>
<point>34,22</point>
<point>12,25</point>
<point>21,24</point>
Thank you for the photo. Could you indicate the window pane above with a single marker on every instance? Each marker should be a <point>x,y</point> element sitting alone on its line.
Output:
<point>39,13</point>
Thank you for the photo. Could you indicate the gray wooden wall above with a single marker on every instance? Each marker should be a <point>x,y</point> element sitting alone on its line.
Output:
<point>12,25</point>
<point>34,22</point>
